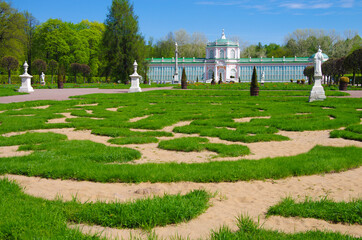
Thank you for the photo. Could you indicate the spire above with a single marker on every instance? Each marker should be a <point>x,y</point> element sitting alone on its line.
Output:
<point>223,34</point>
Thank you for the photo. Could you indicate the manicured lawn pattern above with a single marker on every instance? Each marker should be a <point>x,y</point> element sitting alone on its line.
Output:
<point>251,230</point>
<point>27,217</point>
<point>336,212</point>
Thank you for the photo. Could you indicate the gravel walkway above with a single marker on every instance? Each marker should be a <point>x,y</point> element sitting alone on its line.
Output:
<point>64,94</point>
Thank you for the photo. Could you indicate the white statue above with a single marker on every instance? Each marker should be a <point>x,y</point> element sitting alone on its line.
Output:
<point>42,79</point>
<point>318,60</point>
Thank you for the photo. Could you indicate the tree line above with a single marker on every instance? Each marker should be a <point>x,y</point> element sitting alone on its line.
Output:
<point>94,49</point>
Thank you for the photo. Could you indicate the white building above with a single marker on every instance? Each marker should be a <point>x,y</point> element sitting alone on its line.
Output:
<point>223,57</point>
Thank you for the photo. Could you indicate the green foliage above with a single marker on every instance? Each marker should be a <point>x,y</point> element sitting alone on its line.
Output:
<point>133,140</point>
<point>144,213</point>
<point>325,209</point>
<point>26,217</point>
<point>31,138</point>
<point>344,79</point>
<point>352,132</point>
<point>122,43</point>
<point>9,63</point>
<point>184,79</point>
<point>248,229</point>
<point>254,79</point>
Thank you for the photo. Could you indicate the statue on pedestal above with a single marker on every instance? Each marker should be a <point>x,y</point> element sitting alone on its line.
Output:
<point>42,81</point>
<point>26,81</point>
<point>135,80</point>
<point>317,93</point>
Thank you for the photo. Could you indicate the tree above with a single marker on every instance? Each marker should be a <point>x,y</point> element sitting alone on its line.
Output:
<point>12,36</point>
<point>39,66</point>
<point>353,63</point>
<point>75,68</point>
<point>309,72</point>
<point>220,79</point>
<point>85,69</point>
<point>53,66</point>
<point>30,26</point>
<point>10,64</point>
<point>183,79</point>
<point>213,79</point>
<point>254,85</point>
<point>122,41</point>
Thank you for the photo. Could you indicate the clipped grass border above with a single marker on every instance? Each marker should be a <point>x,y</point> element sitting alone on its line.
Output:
<point>248,229</point>
<point>318,160</point>
<point>325,209</point>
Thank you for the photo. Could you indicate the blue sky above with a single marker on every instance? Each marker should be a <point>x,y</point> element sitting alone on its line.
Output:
<point>252,21</point>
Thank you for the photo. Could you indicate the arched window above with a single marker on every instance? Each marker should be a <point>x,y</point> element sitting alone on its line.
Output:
<point>222,54</point>
<point>232,54</point>
<point>211,54</point>
<point>209,74</point>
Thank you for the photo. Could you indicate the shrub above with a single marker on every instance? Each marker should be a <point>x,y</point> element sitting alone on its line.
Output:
<point>298,81</point>
<point>291,80</point>
<point>184,79</point>
<point>302,81</point>
<point>254,79</point>
<point>344,79</point>
<point>213,79</point>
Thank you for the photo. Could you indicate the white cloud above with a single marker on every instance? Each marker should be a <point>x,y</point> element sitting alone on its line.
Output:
<point>215,3</point>
<point>310,5</point>
<point>347,3</point>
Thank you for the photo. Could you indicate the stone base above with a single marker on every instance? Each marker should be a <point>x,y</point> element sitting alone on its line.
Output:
<point>26,89</point>
<point>317,94</point>
<point>134,89</point>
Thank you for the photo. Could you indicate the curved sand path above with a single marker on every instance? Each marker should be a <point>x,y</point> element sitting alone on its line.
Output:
<point>233,199</point>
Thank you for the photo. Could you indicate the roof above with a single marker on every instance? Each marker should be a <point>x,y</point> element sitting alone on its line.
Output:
<point>241,60</point>
<point>325,56</point>
<point>223,41</point>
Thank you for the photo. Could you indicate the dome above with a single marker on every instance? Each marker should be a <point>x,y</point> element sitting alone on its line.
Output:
<point>223,41</point>
<point>325,56</point>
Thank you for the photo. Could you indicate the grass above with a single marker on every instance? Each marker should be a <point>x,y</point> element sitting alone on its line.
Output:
<point>353,132</point>
<point>248,229</point>
<point>9,92</point>
<point>196,144</point>
<point>325,209</point>
<point>83,164</point>
<point>27,217</point>
<point>133,140</point>
<point>144,213</point>
<point>266,86</point>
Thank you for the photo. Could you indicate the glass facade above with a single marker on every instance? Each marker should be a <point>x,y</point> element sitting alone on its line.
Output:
<point>273,73</point>
<point>165,73</point>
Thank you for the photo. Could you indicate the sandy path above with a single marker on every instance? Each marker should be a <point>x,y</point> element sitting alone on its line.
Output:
<point>252,198</point>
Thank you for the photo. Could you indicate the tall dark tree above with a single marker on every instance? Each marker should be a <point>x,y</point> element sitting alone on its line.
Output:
<point>353,63</point>
<point>39,66</point>
<point>30,26</point>
<point>220,79</point>
<point>254,85</point>
<point>52,66</point>
<point>75,68</point>
<point>309,72</point>
<point>183,79</point>
<point>122,41</point>
<point>10,64</point>
<point>85,69</point>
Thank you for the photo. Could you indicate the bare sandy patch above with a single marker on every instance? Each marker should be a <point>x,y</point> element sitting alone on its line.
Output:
<point>12,151</point>
<point>89,111</point>
<point>24,115</point>
<point>248,119</point>
<point>136,119</point>
<point>87,105</point>
<point>41,107</point>
<point>179,124</point>
<point>359,109</point>
<point>61,120</point>
<point>302,113</point>
<point>252,198</point>
<point>3,111</point>
<point>326,108</point>
<point>112,109</point>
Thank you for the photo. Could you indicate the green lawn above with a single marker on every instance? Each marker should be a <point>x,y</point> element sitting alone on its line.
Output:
<point>212,113</point>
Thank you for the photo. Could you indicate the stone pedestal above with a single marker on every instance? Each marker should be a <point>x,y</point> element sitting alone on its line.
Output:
<point>135,80</point>
<point>317,93</point>
<point>26,81</point>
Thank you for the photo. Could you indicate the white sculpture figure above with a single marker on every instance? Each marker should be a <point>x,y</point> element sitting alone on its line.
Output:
<point>42,82</point>
<point>26,81</point>
<point>262,78</point>
<point>135,80</point>
<point>317,93</point>
<point>175,76</point>
<point>318,60</point>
